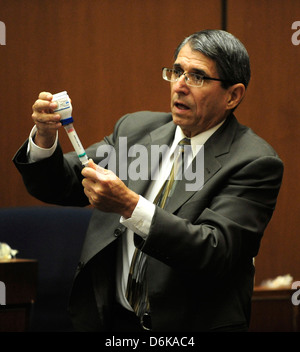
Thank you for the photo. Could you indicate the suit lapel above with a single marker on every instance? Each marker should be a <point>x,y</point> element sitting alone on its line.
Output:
<point>161,136</point>
<point>218,144</point>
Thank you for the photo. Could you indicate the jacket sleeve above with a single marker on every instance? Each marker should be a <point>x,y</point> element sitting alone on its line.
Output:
<point>57,179</point>
<point>54,180</point>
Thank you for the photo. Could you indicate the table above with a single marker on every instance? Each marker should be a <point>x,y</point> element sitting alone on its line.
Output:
<point>20,278</point>
<point>273,311</point>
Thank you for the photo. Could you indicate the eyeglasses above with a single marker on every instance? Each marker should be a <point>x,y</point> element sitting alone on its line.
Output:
<point>191,79</point>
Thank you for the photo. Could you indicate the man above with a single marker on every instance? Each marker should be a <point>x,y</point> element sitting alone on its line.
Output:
<point>199,247</point>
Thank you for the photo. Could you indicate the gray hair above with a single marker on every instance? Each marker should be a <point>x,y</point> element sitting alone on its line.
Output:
<point>230,55</point>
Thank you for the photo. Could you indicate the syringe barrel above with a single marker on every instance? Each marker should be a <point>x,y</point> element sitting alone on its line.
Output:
<point>76,143</point>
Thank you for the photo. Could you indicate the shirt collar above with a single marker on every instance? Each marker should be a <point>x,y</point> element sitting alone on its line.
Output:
<point>197,140</point>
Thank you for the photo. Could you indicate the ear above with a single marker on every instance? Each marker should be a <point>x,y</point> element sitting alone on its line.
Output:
<point>235,95</point>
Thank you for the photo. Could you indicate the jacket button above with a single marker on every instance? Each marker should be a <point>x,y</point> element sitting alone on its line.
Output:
<point>80,265</point>
<point>118,232</point>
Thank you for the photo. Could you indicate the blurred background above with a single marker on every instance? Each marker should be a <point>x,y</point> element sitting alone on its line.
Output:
<point>108,55</point>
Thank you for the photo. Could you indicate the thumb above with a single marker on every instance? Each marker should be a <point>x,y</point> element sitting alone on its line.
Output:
<point>97,168</point>
<point>92,164</point>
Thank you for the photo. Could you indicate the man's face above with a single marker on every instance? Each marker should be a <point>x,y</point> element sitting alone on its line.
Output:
<point>196,109</point>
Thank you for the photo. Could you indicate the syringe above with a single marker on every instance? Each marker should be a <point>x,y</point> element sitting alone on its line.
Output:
<point>64,108</point>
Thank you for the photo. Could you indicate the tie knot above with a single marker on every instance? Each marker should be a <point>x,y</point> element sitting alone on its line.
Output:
<point>184,141</point>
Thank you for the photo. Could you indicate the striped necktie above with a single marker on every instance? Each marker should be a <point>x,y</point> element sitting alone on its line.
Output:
<point>136,292</point>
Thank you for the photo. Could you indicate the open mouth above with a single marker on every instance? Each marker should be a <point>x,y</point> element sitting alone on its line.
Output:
<point>181,106</point>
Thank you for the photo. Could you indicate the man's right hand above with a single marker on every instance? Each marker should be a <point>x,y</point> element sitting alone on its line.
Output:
<point>46,121</point>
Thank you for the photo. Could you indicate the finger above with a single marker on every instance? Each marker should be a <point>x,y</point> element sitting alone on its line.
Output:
<point>43,113</point>
<point>41,105</point>
<point>92,164</point>
<point>45,119</point>
<point>88,184</point>
<point>102,171</point>
<point>92,191</point>
<point>88,193</point>
<point>97,168</point>
<point>45,96</point>
<point>89,173</point>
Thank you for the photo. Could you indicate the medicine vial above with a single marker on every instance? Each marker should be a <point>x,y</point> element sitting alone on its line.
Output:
<point>64,108</point>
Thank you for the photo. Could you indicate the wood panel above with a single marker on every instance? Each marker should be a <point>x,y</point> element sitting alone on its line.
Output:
<point>272,311</point>
<point>107,54</point>
<point>271,108</point>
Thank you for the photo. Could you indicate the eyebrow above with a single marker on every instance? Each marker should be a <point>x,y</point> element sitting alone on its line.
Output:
<point>194,70</point>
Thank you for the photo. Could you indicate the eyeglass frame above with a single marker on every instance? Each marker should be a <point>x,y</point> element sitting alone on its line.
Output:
<point>186,74</point>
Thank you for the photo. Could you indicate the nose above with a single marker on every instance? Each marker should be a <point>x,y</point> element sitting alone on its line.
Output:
<point>180,86</point>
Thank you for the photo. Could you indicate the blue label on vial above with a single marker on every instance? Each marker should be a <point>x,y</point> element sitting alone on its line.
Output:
<point>66,121</point>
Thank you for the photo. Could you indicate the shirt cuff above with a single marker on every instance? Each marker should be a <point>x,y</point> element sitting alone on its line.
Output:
<point>141,218</point>
<point>36,153</point>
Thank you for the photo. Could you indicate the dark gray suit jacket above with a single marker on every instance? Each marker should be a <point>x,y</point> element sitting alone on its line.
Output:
<point>200,270</point>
